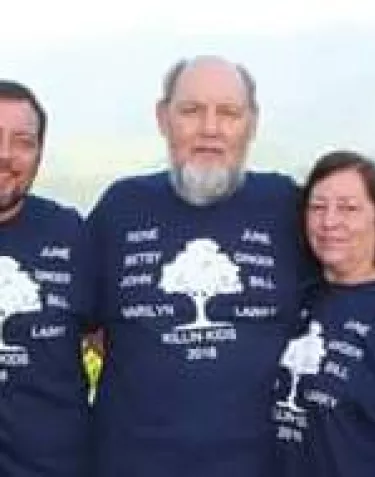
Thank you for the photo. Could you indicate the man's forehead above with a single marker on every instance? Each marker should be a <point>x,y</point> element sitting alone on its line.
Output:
<point>16,112</point>
<point>215,76</point>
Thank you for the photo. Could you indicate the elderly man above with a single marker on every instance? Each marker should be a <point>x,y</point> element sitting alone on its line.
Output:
<point>43,296</point>
<point>197,285</point>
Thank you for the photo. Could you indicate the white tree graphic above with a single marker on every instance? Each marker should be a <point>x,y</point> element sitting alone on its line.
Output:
<point>303,355</point>
<point>18,294</point>
<point>201,272</point>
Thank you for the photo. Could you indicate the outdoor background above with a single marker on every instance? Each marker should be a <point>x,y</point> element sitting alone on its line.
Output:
<point>98,68</point>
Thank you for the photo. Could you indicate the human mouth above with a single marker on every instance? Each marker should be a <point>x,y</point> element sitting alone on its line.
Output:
<point>331,242</point>
<point>6,172</point>
<point>208,151</point>
<point>6,178</point>
<point>5,175</point>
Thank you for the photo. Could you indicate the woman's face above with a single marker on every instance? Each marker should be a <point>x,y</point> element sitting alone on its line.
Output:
<point>340,226</point>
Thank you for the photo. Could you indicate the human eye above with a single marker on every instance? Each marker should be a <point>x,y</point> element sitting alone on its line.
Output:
<point>315,206</point>
<point>348,208</point>
<point>188,109</point>
<point>229,111</point>
<point>25,141</point>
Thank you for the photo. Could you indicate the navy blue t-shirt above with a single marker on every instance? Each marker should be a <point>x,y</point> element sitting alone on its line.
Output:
<point>44,298</point>
<point>197,302</point>
<point>325,409</point>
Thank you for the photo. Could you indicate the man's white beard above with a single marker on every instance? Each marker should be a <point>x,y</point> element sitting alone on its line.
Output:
<point>200,185</point>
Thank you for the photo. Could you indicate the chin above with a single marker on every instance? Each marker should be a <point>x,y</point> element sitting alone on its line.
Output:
<point>331,260</point>
<point>336,268</point>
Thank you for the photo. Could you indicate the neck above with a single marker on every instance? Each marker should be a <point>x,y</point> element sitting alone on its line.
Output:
<point>350,278</point>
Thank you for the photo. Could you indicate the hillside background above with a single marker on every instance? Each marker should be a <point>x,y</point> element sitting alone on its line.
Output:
<point>315,88</point>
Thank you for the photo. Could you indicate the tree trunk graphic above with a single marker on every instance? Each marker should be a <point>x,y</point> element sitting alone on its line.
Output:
<point>201,320</point>
<point>303,355</point>
<point>290,400</point>
<point>3,345</point>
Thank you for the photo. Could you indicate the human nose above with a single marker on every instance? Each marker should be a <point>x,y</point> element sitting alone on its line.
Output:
<point>5,147</point>
<point>331,216</point>
<point>209,124</point>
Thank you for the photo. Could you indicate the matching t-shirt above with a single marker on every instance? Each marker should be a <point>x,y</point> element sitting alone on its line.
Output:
<point>197,302</point>
<point>325,404</point>
<point>44,299</point>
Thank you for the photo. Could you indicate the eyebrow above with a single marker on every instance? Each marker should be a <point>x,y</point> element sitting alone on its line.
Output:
<point>339,198</point>
<point>225,103</point>
<point>22,132</point>
<point>221,101</point>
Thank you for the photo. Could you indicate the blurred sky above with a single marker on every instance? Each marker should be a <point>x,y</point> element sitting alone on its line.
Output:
<point>41,21</point>
<point>98,68</point>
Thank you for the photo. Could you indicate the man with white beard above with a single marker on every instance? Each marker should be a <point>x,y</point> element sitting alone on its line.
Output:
<point>197,274</point>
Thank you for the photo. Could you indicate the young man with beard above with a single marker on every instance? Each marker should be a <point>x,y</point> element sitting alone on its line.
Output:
<point>43,297</point>
<point>197,286</point>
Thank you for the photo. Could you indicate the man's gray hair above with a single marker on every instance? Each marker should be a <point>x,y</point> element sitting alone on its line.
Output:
<point>171,78</point>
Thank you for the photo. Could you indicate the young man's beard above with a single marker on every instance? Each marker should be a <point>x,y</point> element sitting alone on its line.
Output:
<point>10,201</point>
<point>204,185</point>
